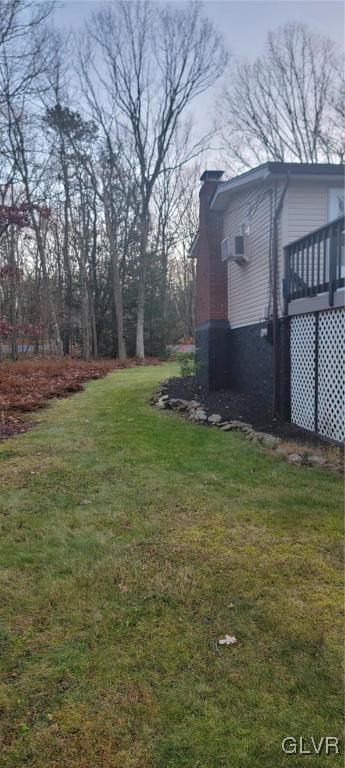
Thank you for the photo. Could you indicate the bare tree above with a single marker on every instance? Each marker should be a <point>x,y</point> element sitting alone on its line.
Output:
<point>157,61</point>
<point>23,146</point>
<point>71,140</point>
<point>182,269</point>
<point>24,51</point>
<point>287,105</point>
<point>175,216</point>
<point>22,39</point>
<point>107,176</point>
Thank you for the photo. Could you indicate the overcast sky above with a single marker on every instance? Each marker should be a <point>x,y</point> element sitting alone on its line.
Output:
<point>243,23</point>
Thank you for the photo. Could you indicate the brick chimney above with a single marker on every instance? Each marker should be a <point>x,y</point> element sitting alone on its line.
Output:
<point>212,330</point>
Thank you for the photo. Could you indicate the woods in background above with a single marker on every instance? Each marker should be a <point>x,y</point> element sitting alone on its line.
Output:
<point>99,164</point>
<point>287,105</point>
<point>94,178</point>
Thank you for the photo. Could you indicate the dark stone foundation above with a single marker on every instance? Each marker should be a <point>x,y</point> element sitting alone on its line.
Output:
<point>242,359</point>
<point>285,370</point>
<point>213,351</point>
<point>252,362</point>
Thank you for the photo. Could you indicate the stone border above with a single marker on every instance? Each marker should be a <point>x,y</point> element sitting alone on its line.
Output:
<point>194,411</point>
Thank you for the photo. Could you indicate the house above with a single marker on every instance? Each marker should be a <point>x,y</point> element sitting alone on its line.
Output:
<point>269,279</point>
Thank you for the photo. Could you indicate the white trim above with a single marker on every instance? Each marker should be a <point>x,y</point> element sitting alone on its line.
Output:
<point>316,303</point>
<point>246,325</point>
<point>191,253</point>
<point>261,174</point>
<point>232,184</point>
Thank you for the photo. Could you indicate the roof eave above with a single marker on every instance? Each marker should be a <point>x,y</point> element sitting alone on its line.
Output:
<point>224,190</point>
<point>222,193</point>
<point>192,254</point>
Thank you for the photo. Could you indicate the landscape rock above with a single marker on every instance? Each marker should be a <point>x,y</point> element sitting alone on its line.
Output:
<point>198,415</point>
<point>294,458</point>
<point>194,410</point>
<point>163,402</point>
<point>316,460</point>
<point>253,436</point>
<point>281,451</point>
<point>179,405</point>
<point>259,436</point>
<point>240,425</point>
<point>269,441</point>
<point>215,418</point>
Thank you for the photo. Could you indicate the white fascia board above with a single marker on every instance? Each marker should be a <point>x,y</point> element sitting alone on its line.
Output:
<point>191,253</point>
<point>220,198</point>
<point>224,190</point>
<point>246,325</point>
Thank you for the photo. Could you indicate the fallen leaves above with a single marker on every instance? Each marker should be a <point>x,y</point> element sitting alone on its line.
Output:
<point>28,385</point>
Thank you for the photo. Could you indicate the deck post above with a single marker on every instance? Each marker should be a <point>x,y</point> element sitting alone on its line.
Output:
<point>332,264</point>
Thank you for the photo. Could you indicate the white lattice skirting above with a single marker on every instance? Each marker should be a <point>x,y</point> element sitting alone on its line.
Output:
<point>318,372</point>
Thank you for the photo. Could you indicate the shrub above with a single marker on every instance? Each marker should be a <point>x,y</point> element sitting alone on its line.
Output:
<point>187,362</point>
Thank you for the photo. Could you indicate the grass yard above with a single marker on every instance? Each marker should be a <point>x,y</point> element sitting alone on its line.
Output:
<point>27,385</point>
<point>131,541</point>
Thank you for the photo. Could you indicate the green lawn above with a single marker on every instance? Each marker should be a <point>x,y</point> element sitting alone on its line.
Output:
<point>131,541</point>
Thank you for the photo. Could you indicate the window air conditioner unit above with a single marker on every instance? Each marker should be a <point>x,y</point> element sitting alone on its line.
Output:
<point>240,253</point>
<point>239,245</point>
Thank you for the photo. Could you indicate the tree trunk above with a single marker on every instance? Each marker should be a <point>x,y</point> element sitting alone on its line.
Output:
<point>93,290</point>
<point>68,290</point>
<point>140,348</point>
<point>94,339</point>
<point>121,344</point>
<point>85,324</point>
<point>116,279</point>
<point>164,287</point>
<point>83,273</point>
<point>40,245</point>
<point>53,318</point>
<point>13,297</point>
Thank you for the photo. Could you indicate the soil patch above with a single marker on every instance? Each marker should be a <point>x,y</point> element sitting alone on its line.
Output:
<point>233,405</point>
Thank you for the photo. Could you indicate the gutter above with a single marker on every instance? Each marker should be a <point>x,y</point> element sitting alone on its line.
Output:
<point>275,315</point>
<point>302,171</point>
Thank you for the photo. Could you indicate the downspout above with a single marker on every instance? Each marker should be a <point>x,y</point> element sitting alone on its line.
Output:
<point>275,312</point>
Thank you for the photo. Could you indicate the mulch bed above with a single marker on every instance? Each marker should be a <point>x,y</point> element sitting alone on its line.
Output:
<point>27,385</point>
<point>230,404</point>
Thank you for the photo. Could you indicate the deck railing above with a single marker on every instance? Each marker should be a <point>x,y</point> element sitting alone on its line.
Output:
<point>316,263</point>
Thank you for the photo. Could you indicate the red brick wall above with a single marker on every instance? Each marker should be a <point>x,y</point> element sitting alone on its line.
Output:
<point>211,272</point>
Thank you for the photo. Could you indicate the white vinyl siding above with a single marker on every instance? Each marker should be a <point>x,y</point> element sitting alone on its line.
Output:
<point>248,284</point>
<point>305,209</point>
